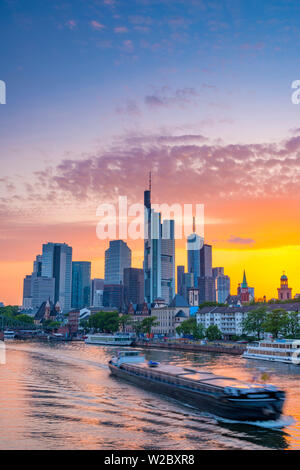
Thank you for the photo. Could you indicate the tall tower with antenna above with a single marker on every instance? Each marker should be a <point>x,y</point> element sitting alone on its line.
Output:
<point>159,253</point>
<point>194,246</point>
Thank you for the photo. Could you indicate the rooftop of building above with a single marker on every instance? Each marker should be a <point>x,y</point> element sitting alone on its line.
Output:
<point>181,314</point>
<point>179,301</point>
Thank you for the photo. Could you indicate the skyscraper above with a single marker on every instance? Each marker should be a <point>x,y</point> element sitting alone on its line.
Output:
<point>206,261</point>
<point>180,278</point>
<point>188,283</point>
<point>133,286</point>
<point>27,296</point>
<point>207,291</point>
<point>37,265</point>
<point>97,292</point>
<point>81,284</point>
<point>117,258</point>
<point>113,296</point>
<point>159,254</point>
<point>57,263</point>
<point>36,292</point>
<point>168,260</point>
<point>222,285</point>
<point>42,288</point>
<point>194,247</point>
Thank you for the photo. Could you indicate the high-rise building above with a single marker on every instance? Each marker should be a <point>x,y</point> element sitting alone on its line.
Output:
<point>117,258</point>
<point>284,291</point>
<point>81,284</point>
<point>188,283</point>
<point>207,291</point>
<point>113,295</point>
<point>222,284</point>
<point>133,286</point>
<point>199,257</point>
<point>27,295</point>
<point>37,265</point>
<point>194,246</point>
<point>180,279</point>
<point>97,292</point>
<point>42,288</point>
<point>168,260</point>
<point>159,254</point>
<point>200,265</point>
<point>206,261</point>
<point>57,263</point>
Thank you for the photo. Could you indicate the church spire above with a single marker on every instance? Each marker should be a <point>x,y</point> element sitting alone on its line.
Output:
<point>244,283</point>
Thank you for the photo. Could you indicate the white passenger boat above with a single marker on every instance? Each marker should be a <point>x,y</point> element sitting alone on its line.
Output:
<point>9,334</point>
<point>277,351</point>
<point>109,340</point>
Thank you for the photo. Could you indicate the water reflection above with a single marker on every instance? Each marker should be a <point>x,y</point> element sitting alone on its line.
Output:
<point>58,396</point>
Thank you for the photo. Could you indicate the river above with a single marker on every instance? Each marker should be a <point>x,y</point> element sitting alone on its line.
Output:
<point>61,396</point>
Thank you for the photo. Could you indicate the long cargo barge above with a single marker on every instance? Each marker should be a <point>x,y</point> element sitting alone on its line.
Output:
<point>221,396</point>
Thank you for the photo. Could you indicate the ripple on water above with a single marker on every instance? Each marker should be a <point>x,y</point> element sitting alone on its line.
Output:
<point>62,396</point>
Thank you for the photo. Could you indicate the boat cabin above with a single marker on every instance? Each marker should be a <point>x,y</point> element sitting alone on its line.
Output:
<point>130,356</point>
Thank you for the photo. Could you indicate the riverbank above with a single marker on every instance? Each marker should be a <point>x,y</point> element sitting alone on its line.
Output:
<point>217,348</point>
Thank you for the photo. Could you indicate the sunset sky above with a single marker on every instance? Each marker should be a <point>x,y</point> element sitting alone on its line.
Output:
<point>100,92</point>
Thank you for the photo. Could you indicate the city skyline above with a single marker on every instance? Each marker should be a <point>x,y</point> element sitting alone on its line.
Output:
<point>204,265</point>
<point>188,263</point>
<point>100,94</point>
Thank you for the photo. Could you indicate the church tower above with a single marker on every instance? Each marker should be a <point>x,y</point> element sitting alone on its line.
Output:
<point>244,291</point>
<point>284,291</point>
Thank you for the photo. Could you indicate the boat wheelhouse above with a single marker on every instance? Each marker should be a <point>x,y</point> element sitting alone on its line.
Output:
<point>109,340</point>
<point>222,396</point>
<point>276,351</point>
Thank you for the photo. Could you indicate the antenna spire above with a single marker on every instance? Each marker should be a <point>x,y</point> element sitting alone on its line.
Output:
<point>194,224</point>
<point>150,181</point>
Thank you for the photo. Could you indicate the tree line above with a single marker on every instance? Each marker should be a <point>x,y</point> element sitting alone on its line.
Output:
<point>198,331</point>
<point>276,322</point>
<point>110,322</point>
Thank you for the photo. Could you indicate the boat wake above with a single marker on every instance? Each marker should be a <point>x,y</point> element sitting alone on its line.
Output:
<point>280,423</point>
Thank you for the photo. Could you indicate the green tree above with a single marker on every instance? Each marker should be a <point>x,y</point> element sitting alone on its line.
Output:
<point>9,311</point>
<point>254,321</point>
<point>211,304</point>
<point>25,319</point>
<point>125,320</point>
<point>213,333</point>
<point>293,326</point>
<point>84,324</point>
<point>276,322</point>
<point>105,322</point>
<point>190,327</point>
<point>137,327</point>
<point>147,324</point>
<point>51,325</point>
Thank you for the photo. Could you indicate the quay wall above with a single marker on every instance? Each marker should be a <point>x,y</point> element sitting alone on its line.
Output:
<point>236,350</point>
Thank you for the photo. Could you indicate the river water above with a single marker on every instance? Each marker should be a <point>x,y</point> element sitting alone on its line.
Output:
<point>61,396</point>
